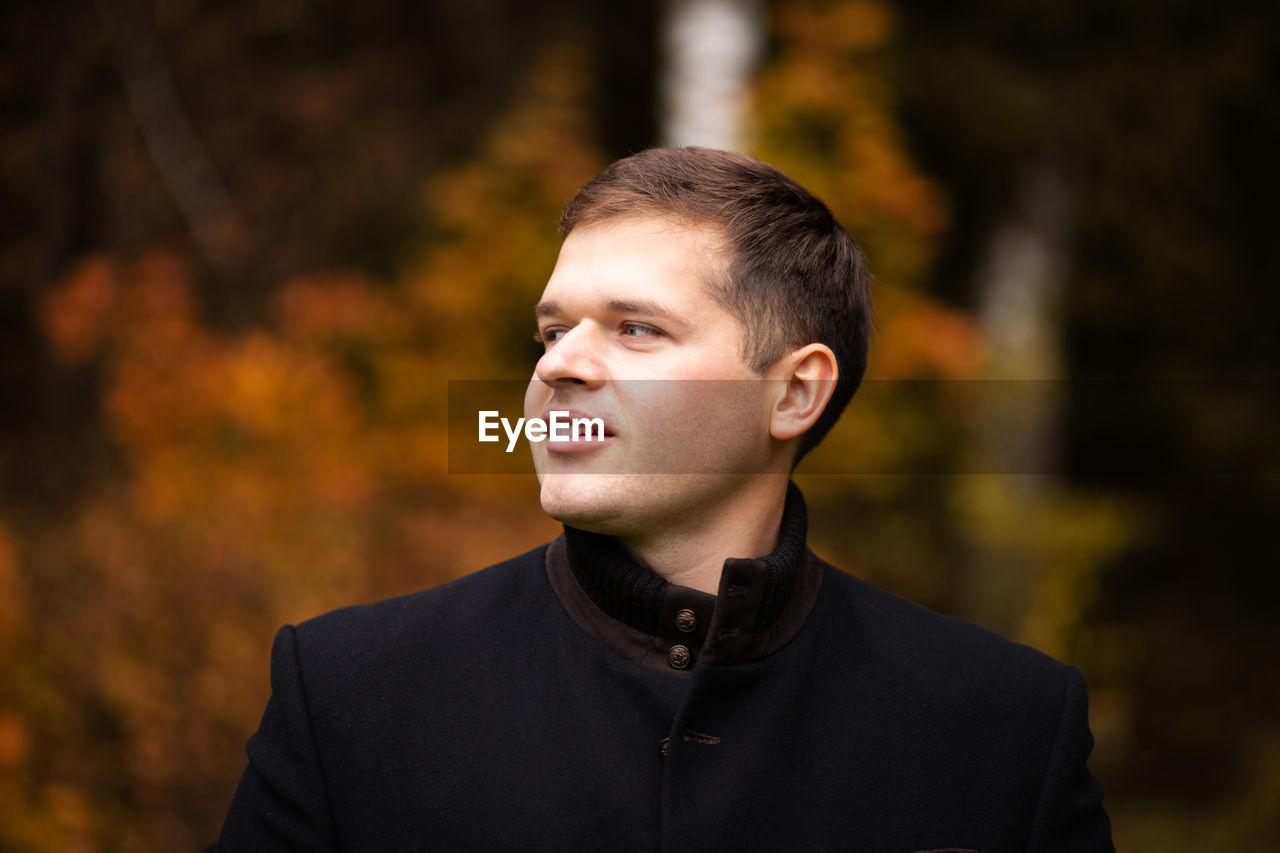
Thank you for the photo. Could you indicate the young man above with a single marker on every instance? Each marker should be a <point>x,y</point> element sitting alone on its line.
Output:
<point>677,671</point>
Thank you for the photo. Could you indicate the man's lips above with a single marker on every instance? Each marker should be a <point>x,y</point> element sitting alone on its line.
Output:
<point>588,432</point>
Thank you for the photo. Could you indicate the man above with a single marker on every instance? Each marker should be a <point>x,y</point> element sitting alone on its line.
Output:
<point>677,671</point>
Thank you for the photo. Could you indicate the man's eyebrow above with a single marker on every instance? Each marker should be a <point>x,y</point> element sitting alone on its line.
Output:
<point>644,308</point>
<point>635,307</point>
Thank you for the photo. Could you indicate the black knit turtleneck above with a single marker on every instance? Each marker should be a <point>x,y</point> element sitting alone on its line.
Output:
<point>633,594</point>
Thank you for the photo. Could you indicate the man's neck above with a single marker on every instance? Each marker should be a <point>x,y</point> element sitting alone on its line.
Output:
<point>692,553</point>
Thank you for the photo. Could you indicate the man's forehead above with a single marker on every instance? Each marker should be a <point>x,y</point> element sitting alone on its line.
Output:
<point>625,259</point>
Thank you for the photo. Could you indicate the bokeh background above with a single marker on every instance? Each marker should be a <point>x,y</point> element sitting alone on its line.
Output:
<point>245,245</point>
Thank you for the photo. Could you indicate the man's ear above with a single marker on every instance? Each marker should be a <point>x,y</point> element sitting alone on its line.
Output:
<point>809,375</point>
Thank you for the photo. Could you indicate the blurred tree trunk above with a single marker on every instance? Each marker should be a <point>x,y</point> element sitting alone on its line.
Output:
<point>177,152</point>
<point>1018,287</point>
<point>711,50</point>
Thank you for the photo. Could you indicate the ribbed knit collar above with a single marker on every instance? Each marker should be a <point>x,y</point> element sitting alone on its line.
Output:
<point>634,594</point>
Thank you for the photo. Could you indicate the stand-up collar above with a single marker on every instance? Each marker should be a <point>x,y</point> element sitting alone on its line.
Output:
<point>760,605</point>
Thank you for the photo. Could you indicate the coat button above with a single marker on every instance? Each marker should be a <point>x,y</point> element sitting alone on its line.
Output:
<point>686,620</point>
<point>679,656</point>
<point>663,746</point>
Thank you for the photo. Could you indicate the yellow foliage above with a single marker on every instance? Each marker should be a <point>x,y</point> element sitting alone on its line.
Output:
<point>825,116</point>
<point>11,614</point>
<point>78,314</point>
<point>259,476</point>
<point>319,309</point>
<point>496,216</point>
<point>13,741</point>
<point>917,337</point>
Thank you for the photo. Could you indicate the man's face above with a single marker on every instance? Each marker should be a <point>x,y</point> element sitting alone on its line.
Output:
<point>628,301</point>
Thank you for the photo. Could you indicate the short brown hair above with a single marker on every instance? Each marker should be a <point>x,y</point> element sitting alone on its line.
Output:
<point>794,275</point>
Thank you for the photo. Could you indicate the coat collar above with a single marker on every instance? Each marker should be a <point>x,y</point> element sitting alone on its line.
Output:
<point>760,606</point>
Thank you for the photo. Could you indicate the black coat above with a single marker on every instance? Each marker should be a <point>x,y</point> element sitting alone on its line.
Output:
<point>488,714</point>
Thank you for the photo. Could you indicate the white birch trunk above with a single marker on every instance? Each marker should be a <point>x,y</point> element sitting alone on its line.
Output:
<point>711,49</point>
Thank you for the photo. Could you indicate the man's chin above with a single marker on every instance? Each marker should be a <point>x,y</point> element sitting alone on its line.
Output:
<point>587,501</point>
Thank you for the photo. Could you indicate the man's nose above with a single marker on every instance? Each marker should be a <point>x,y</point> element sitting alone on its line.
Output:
<point>576,358</point>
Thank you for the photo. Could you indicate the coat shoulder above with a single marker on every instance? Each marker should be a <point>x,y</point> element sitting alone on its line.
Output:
<point>430,622</point>
<point>937,652</point>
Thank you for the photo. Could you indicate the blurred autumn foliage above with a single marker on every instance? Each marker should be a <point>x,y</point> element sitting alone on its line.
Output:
<point>225,379</point>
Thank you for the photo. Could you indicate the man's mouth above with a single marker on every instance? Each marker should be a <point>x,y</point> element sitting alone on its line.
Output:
<point>575,431</point>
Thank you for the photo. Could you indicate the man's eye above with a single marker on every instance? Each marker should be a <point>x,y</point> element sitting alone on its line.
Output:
<point>637,330</point>
<point>550,335</point>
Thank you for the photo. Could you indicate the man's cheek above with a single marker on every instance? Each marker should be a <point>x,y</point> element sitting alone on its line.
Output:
<point>536,397</point>
<point>723,429</point>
